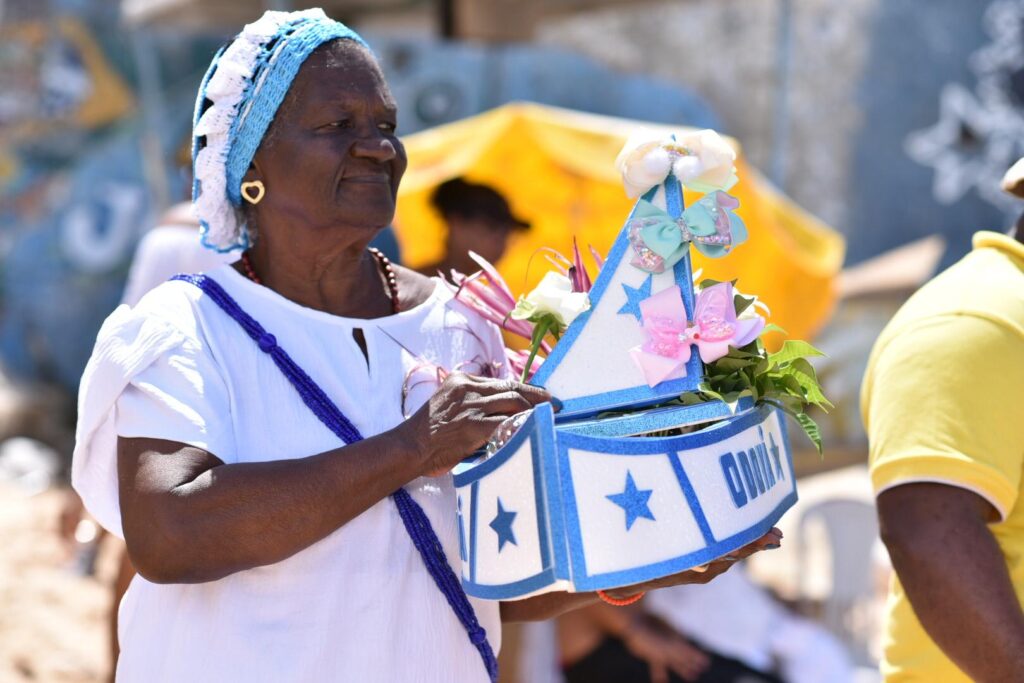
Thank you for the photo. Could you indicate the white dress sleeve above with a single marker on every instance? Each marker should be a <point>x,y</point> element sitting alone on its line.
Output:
<point>149,375</point>
<point>179,397</point>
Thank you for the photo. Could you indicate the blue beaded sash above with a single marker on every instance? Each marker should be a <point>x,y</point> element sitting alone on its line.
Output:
<point>416,522</point>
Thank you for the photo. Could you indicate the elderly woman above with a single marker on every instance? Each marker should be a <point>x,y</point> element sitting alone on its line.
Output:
<point>245,430</point>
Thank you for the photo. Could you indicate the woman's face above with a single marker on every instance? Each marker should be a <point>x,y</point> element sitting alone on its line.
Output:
<point>331,160</point>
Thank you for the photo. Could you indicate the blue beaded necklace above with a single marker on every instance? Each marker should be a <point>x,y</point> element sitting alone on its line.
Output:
<point>415,520</point>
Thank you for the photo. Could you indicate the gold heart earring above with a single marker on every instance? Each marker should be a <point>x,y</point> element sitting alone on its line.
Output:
<point>254,185</point>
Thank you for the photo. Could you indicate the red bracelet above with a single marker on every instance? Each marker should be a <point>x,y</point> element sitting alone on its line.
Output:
<point>619,603</point>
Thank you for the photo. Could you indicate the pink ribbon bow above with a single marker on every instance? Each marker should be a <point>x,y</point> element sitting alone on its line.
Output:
<point>669,336</point>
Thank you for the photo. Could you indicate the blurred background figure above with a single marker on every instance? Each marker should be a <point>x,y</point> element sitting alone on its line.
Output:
<point>172,246</point>
<point>477,219</point>
<point>735,632</point>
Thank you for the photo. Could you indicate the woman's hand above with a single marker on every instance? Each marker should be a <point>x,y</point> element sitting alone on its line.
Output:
<point>664,649</point>
<point>551,605</point>
<point>462,414</point>
<point>705,573</point>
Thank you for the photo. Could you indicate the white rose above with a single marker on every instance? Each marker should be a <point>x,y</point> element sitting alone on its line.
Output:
<point>553,296</point>
<point>686,168</point>
<point>702,160</point>
<point>709,166</point>
<point>643,162</point>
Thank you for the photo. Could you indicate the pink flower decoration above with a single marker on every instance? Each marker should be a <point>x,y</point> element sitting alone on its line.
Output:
<point>486,292</point>
<point>575,270</point>
<point>578,273</point>
<point>669,335</point>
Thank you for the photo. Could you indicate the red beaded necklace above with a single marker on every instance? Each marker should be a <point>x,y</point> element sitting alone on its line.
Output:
<point>382,261</point>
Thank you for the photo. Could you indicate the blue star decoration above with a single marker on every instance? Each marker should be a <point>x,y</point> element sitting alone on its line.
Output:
<point>502,525</point>
<point>633,501</point>
<point>634,296</point>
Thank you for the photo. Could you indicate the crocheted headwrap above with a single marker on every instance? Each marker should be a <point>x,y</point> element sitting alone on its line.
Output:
<point>238,98</point>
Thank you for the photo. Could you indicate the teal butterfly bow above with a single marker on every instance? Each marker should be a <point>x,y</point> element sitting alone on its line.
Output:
<point>660,241</point>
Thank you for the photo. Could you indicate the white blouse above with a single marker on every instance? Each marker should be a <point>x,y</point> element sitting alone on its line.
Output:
<point>358,605</point>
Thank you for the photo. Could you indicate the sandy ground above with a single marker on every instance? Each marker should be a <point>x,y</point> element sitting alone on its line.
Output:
<point>52,622</point>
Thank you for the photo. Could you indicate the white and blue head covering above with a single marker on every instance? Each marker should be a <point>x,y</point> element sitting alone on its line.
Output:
<point>239,96</point>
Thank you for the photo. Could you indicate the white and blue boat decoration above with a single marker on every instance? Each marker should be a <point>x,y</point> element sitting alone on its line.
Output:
<point>593,498</point>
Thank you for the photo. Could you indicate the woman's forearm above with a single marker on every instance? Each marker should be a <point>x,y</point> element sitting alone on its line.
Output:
<point>190,518</point>
<point>547,606</point>
<point>552,605</point>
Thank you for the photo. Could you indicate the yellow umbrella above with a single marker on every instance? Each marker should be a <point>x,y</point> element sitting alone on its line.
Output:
<point>556,168</point>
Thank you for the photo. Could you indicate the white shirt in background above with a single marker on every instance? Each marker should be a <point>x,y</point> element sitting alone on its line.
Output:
<point>734,617</point>
<point>165,251</point>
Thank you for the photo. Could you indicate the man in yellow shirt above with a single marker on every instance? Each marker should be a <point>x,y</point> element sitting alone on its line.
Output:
<point>942,402</point>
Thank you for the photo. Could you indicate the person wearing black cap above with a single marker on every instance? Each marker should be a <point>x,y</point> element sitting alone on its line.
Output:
<point>478,219</point>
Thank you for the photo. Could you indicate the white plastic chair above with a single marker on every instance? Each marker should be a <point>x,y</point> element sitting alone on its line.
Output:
<point>851,527</point>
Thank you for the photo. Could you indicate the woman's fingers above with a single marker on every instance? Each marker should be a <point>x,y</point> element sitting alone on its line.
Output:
<point>714,570</point>
<point>480,426</point>
<point>770,541</point>
<point>700,574</point>
<point>504,404</point>
<point>706,572</point>
<point>490,387</point>
<point>659,673</point>
<point>535,395</point>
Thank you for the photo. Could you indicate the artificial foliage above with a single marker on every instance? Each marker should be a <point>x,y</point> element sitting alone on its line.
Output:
<point>785,379</point>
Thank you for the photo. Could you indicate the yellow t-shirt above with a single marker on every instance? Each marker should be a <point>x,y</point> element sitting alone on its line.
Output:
<point>942,402</point>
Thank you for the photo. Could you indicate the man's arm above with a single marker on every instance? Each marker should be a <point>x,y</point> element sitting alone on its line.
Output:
<point>955,576</point>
